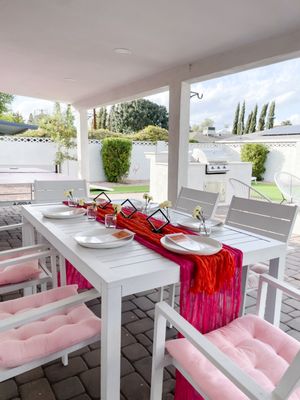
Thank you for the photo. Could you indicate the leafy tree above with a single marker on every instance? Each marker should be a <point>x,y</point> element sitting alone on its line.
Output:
<point>135,115</point>
<point>152,134</point>
<point>5,101</point>
<point>236,120</point>
<point>57,109</point>
<point>241,123</point>
<point>69,116</point>
<point>286,122</point>
<point>262,117</point>
<point>12,117</point>
<point>257,155</point>
<point>248,123</point>
<point>271,116</point>
<point>30,119</point>
<point>253,120</point>
<point>102,118</point>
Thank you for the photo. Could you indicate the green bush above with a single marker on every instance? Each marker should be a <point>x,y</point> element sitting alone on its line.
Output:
<point>151,133</point>
<point>116,157</point>
<point>101,134</point>
<point>257,155</point>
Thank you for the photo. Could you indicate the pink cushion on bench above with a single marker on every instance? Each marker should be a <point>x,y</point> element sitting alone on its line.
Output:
<point>19,272</point>
<point>49,335</point>
<point>261,350</point>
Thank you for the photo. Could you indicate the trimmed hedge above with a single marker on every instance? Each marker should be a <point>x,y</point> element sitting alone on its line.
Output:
<point>116,157</point>
<point>257,155</point>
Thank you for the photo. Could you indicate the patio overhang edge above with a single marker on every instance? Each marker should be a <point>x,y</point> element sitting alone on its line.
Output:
<point>253,55</point>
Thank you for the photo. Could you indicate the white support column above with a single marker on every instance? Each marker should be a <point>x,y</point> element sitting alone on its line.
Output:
<point>83,146</point>
<point>179,122</point>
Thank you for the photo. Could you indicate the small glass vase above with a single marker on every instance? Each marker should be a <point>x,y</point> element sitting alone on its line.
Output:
<point>204,230</point>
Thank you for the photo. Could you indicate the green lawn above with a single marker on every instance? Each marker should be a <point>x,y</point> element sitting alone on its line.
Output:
<point>268,189</point>
<point>125,189</point>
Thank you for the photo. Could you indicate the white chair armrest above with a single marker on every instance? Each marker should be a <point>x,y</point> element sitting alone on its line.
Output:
<point>232,371</point>
<point>10,227</point>
<point>48,309</point>
<point>24,258</point>
<point>264,281</point>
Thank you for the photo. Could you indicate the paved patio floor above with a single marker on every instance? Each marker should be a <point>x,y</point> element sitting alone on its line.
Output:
<point>80,379</point>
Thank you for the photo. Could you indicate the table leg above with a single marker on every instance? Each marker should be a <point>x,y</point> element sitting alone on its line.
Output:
<point>111,309</point>
<point>274,297</point>
<point>28,237</point>
<point>245,275</point>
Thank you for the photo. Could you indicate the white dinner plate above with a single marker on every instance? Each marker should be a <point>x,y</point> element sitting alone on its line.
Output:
<point>207,246</point>
<point>63,212</point>
<point>100,238</point>
<point>139,204</point>
<point>193,225</point>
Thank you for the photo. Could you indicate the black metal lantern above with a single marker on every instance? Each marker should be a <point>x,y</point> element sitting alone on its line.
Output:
<point>104,201</point>
<point>158,220</point>
<point>130,207</point>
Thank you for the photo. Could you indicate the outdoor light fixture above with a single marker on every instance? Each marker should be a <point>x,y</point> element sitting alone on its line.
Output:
<point>103,202</point>
<point>122,50</point>
<point>158,220</point>
<point>128,206</point>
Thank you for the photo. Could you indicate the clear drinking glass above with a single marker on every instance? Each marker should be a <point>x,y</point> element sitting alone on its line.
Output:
<point>110,220</point>
<point>91,213</point>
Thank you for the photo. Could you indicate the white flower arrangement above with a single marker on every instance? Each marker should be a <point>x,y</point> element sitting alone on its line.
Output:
<point>69,193</point>
<point>148,198</point>
<point>198,214</point>
<point>117,208</point>
<point>166,204</point>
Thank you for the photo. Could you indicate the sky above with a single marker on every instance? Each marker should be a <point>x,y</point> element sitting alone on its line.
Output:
<point>279,82</point>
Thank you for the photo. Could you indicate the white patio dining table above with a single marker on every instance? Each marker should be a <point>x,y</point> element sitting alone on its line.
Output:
<point>119,272</point>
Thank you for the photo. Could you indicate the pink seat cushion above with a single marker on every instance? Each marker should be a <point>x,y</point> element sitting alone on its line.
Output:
<point>261,350</point>
<point>48,335</point>
<point>19,272</point>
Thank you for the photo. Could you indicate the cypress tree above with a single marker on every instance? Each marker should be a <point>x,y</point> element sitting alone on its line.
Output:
<point>236,120</point>
<point>241,123</point>
<point>271,116</point>
<point>253,120</point>
<point>30,119</point>
<point>248,123</point>
<point>262,117</point>
<point>104,119</point>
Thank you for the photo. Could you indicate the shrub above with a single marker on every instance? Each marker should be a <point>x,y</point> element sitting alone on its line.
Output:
<point>257,155</point>
<point>100,134</point>
<point>151,133</point>
<point>116,157</point>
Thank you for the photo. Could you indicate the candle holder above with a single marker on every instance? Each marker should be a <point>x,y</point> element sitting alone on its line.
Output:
<point>128,205</point>
<point>104,201</point>
<point>158,220</point>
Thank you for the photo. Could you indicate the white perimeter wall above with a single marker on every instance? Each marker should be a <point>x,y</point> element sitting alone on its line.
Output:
<point>40,153</point>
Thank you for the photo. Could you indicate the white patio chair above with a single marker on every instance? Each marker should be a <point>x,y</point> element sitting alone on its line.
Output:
<point>249,191</point>
<point>247,359</point>
<point>188,199</point>
<point>272,220</point>
<point>52,191</point>
<point>24,268</point>
<point>42,327</point>
<point>289,186</point>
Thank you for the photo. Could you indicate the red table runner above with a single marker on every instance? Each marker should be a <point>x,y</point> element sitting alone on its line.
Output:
<point>210,286</point>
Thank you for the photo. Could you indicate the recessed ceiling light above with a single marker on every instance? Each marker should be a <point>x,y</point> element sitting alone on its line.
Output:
<point>122,50</point>
<point>69,79</point>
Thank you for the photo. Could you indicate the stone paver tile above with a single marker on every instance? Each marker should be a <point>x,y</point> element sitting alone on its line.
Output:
<point>145,293</point>
<point>126,338</point>
<point>8,390</point>
<point>294,334</point>
<point>83,396</point>
<point>169,386</point>
<point>58,372</point>
<point>37,390</point>
<point>128,317</point>
<point>144,366</point>
<point>139,313</point>
<point>140,326</point>
<point>68,388</point>
<point>31,375</point>
<point>79,352</point>
<point>143,303</point>
<point>293,303</point>
<point>126,367</point>
<point>91,382</point>
<point>294,323</point>
<point>135,352</point>
<point>143,340</point>
<point>95,345</point>
<point>134,387</point>
<point>92,358</point>
<point>128,306</point>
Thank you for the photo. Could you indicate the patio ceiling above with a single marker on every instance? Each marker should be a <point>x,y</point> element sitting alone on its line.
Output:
<point>64,50</point>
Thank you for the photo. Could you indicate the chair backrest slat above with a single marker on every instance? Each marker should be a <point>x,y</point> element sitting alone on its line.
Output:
<point>188,199</point>
<point>268,219</point>
<point>54,190</point>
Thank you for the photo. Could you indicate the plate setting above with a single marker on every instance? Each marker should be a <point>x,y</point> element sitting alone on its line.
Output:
<point>63,212</point>
<point>100,238</point>
<point>193,225</point>
<point>191,244</point>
